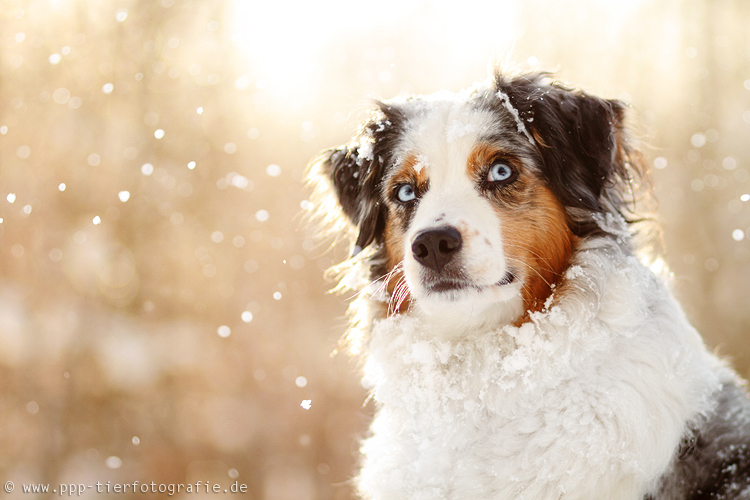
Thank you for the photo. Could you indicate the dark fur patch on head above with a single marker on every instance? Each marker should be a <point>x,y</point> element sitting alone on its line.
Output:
<point>585,157</point>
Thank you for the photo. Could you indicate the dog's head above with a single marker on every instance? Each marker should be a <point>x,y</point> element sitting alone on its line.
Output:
<point>476,201</point>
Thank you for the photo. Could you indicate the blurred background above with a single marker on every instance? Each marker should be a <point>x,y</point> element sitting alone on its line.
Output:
<point>163,312</point>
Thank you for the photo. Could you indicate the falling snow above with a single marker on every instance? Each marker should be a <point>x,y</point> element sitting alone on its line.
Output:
<point>131,270</point>
<point>273,170</point>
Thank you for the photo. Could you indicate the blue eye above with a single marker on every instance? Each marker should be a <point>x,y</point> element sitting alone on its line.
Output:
<point>500,172</point>
<point>406,193</point>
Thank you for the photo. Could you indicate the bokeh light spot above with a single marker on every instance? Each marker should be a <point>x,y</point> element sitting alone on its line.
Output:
<point>273,170</point>
<point>61,95</point>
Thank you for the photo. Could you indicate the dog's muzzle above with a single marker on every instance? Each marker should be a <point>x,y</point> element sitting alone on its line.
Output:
<point>436,247</point>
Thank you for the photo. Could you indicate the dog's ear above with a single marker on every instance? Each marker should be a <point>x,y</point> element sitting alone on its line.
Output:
<point>356,172</point>
<point>355,178</point>
<point>579,137</point>
<point>581,141</point>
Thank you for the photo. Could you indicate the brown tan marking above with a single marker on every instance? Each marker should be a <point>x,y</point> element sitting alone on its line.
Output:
<point>480,158</point>
<point>409,166</point>
<point>394,235</point>
<point>395,280</point>
<point>537,240</point>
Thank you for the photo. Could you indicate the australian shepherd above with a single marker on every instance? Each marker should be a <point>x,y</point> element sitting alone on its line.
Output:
<point>515,341</point>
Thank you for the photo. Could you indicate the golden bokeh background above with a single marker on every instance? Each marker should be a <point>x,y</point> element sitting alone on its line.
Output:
<point>163,312</point>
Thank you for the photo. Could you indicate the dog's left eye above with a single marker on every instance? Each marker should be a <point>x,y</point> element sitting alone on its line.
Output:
<point>406,193</point>
<point>500,172</point>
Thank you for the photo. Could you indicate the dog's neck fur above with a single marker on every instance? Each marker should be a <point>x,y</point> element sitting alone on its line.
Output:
<point>589,397</point>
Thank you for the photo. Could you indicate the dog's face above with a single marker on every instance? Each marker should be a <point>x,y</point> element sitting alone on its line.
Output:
<point>468,212</point>
<point>474,202</point>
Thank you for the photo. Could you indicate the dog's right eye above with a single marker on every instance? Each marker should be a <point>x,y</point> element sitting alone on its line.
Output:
<point>406,193</point>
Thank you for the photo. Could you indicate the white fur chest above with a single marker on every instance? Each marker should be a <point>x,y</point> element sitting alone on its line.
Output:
<point>587,400</point>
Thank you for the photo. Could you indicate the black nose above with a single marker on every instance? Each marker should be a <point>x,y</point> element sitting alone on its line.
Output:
<point>434,248</point>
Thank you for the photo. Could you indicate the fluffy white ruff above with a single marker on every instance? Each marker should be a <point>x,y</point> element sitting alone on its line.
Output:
<point>588,400</point>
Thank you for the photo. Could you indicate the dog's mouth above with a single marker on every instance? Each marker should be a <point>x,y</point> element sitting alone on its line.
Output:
<point>457,285</point>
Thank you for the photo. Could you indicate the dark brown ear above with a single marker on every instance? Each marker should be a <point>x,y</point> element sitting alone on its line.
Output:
<point>580,146</point>
<point>356,173</point>
<point>580,139</point>
<point>356,178</point>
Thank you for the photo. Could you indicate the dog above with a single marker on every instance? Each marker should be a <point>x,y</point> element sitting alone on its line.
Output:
<point>514,340</point>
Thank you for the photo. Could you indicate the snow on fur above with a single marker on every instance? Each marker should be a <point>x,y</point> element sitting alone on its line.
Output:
<point>458,129</point>
<point>421,163</point>
<point>586,400</point>
<point>513,111</point>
